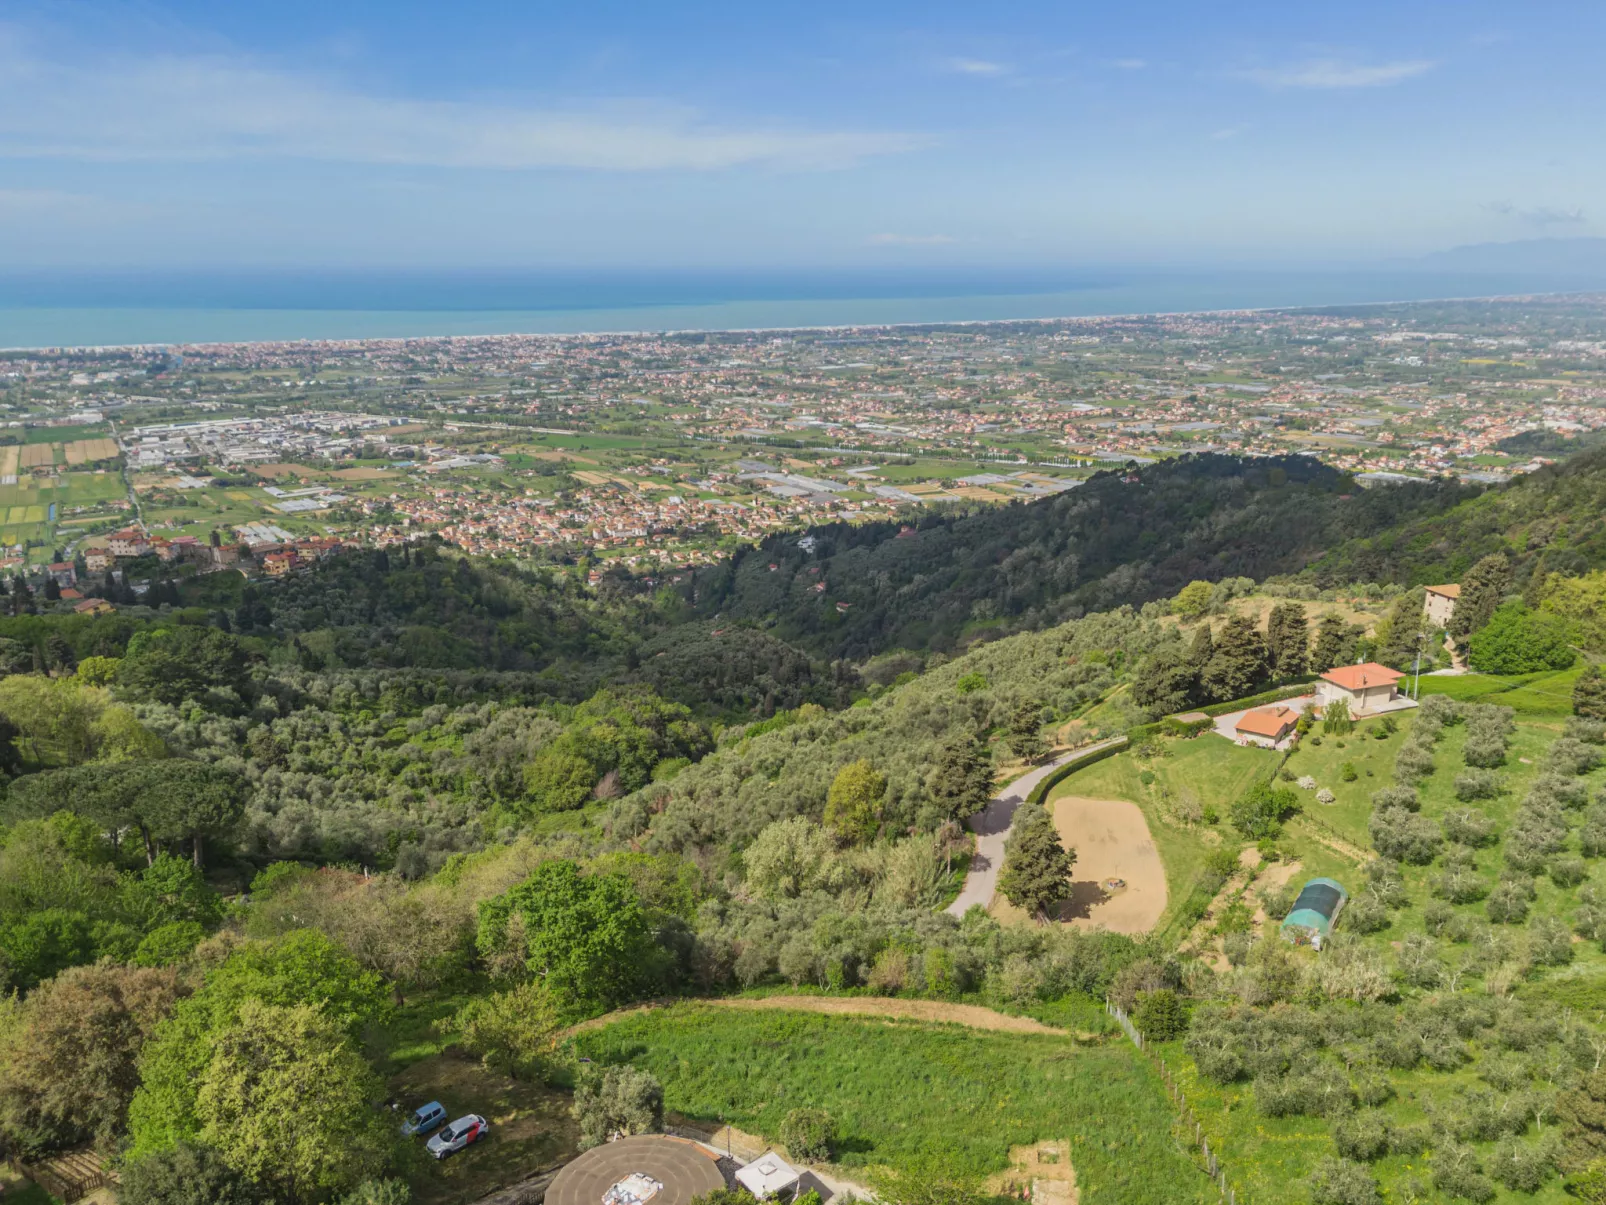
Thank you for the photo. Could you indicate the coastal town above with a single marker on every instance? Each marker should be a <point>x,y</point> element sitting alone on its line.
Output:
<point>664,451</point>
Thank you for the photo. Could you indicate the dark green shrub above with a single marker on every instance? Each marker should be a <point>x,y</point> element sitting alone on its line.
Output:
<point>808,1134</point>
<point>1343,1182</point>
<point>1362,1136</point>
<point>1160,1015</point>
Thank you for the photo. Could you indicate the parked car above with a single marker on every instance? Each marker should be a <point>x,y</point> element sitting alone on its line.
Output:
<point>459,1134</point>
<point>424,1119</point>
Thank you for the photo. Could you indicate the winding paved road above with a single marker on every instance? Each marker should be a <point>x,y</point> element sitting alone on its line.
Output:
<point>992,824</point>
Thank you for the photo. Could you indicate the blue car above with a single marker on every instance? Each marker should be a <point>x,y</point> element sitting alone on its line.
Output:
<point>428,1118</point>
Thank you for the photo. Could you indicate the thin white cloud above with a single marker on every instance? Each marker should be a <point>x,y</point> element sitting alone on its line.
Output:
<point>1336,73</point>
<point>911,240</point>
<point>1222,135</point>
<point>1131,64</point>
<point>1539,215</point>
<point>32,204</point>
<point>213,108</point>
<point>978,67</point>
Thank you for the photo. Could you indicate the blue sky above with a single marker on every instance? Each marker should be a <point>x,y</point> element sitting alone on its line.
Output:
<point>767,134</point>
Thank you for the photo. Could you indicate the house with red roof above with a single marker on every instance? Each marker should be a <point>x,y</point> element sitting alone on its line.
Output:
<point>1267,724</point>
<point>1368,688</point>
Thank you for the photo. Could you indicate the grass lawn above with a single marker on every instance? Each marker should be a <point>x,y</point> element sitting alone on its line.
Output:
<point>1374,768</point>
<point>905,1094</point>
<point>413,1031</point>
<point>1549,693</point>
<point>1268,1158</point>
<point>1208,771</point>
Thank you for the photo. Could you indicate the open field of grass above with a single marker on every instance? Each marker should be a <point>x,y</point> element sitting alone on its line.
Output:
<point>1548,693</point>
<point>906,1095</point>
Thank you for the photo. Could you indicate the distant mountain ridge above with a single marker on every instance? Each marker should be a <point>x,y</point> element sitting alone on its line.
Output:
<point>1581,257</point>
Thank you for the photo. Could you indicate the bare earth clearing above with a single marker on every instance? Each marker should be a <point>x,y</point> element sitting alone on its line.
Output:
<point>1112,842</point>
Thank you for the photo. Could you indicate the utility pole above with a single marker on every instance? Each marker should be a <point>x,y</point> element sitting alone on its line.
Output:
<point>1421,639</point>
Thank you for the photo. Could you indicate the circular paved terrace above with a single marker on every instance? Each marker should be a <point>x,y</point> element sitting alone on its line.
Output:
<point>683,1168</point>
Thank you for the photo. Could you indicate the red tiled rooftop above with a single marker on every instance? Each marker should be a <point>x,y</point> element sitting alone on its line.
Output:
<point>1360,677</point>
<point>1267,721</point>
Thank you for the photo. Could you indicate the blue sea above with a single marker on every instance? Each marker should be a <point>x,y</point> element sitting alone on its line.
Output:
<point>113,309</point>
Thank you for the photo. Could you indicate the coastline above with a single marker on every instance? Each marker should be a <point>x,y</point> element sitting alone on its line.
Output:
<point>67,328</point>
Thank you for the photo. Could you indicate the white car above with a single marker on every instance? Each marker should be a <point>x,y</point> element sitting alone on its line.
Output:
<point>459,1134</point>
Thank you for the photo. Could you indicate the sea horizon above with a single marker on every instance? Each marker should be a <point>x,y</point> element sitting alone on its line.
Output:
<point>65,311</point>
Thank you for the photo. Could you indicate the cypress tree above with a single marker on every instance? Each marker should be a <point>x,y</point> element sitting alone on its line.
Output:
<point>1482,590</point>
<point>1288,640</point>
<point>1025,736</point>
<point>1037,866</point>
<point>962,781</point>
<point>1589,694</point>
<point>1335,644</point>
<point>1238,665</point>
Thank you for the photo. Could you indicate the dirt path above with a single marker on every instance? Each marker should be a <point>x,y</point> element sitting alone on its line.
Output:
<point>1337,844</point>
<point>972,1016</point>
<point>1044,1169</point>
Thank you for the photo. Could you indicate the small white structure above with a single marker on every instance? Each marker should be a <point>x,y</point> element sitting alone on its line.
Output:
<point>767,1175</point>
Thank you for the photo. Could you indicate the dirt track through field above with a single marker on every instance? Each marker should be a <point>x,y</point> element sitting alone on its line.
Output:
<point>971,1015</point>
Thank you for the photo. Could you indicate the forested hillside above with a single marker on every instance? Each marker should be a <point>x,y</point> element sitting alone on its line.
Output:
<point>1550,521</point>
<point>1122,538</point>
<point>412,802</point>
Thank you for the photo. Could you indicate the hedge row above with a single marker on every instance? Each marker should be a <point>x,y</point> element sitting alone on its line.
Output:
<point>1041,790</point>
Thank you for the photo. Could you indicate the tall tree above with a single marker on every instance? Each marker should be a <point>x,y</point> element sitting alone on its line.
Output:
<point>588,937</point>
<point>1037,866</point>
<point>1482,589</point>
<point>1166,682</point>
<point>1589,694</point>
<point>961,782</point>
<point>1335,643</point>
<point>69,1067</point>
<point>853,806</point>
<point>186,1175</point>
<point>303,967</point>
<point>1202,648</point>
<point>1238,664</point>
<point>1288,640</point>
<point>1026,732</point>
<point>286,1100</point>
<point>1401,634</point>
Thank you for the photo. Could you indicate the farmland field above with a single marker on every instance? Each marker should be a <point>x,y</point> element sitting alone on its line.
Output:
<point>906,1095</point>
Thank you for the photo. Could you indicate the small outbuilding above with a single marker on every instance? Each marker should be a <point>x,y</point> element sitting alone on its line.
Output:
<point>1267,723</point>
<point>767,1176</point>
<point>1314,912</point>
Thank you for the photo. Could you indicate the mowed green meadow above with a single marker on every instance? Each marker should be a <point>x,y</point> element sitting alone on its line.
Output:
<point>908,1095</point>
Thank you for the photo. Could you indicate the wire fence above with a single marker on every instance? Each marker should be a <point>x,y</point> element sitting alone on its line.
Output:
<point>1212,1162</point>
